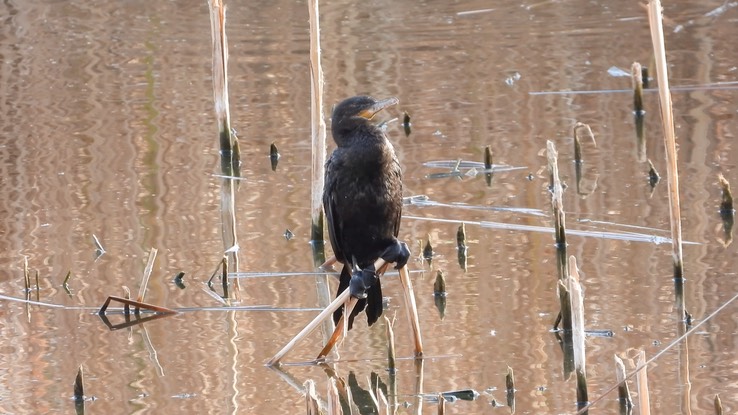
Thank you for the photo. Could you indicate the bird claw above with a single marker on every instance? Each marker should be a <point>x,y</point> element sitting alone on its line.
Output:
<point>398,253</point>
<point>361,281</point>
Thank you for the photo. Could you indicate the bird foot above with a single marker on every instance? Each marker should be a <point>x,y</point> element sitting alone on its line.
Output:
<point>398,253</point>
<point>362,280</point>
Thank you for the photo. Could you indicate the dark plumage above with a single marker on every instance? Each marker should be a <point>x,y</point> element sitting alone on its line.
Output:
<point>363,201</point>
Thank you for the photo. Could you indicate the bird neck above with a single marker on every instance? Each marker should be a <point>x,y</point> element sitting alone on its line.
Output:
<point>360,132</point>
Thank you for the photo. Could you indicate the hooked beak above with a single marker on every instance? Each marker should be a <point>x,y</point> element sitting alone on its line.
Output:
<point>368,113</point>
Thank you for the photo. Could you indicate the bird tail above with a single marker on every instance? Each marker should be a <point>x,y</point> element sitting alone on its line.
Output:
<point>372,303</point>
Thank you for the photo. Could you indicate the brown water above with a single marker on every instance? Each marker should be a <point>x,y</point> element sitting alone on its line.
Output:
<point>107,128</point>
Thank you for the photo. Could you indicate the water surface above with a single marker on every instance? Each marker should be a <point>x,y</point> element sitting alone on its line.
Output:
<point>107,128</point>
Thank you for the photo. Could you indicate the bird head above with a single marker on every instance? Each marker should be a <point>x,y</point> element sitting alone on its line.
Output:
<point>356,111</point>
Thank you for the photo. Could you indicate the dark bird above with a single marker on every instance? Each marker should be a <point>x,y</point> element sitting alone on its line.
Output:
<point>363,202</point>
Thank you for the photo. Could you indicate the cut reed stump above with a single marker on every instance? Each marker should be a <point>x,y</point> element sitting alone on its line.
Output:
<point>439,293</point>
<point>79,393</point>
<point>488,165</point>
<point>510,389</point>
<point>461,247</point>
<point>274,156</point>
<point>637,77</point>
<point>718,405</point>
<point>79,386</point>
<point>406,125</point>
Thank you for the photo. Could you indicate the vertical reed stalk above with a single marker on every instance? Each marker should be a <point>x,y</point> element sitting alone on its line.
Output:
<point>229,153</point>
<point>667,118</point>
<point>318,124</point>
<point>220,75</point>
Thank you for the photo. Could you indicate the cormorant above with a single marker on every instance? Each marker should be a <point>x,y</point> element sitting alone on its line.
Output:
<point>363,202</point>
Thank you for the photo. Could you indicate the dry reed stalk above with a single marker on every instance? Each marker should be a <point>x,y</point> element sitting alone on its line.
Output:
<point>318,124</point>
<point>644,403</point>
<point>229,149</point>
<point>334,401</point>
<point>220,76</point>
<point>391,363</point>
<point>340,300</point>
<point>667,118</point>
<point>412,309</point>
<point>146,276</point>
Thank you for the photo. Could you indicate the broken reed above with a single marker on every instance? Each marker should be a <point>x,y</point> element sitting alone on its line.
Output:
<point>557,195</point>
<point>623,390</point>
<point>653,175</point>
<point>559,218</point>
<point>667,118</point>
<point>580,126</point>
<point>318,125</point>
<point>510,389</point>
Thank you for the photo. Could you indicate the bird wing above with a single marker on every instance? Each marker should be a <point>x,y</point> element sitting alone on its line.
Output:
<point>329,207</point>
<point>398,172</point>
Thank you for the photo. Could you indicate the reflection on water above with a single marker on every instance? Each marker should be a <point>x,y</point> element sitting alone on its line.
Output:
<point>107,129</point>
